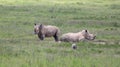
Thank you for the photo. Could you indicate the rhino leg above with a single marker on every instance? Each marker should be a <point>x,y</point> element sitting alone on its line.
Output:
<point>56,38</point>
<point>41,37</point>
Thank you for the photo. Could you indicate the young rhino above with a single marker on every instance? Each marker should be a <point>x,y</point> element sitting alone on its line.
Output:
<point>76,37</point>
<point>46,31</point>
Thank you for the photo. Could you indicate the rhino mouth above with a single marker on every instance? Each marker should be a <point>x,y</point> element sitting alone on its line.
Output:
<point>90,38</point>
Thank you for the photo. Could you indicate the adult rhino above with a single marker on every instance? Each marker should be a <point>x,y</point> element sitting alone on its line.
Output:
<point>76,37</point>
<point>47,31</point>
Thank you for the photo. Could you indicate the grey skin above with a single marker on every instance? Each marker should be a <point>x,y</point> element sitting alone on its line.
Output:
<point>47,31</point>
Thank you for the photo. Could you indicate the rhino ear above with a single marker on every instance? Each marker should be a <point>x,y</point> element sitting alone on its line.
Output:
<point>41,26</point>
<point>86,31</point>
<point>35,24</point>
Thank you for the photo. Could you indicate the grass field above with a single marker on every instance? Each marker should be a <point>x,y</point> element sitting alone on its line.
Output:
<point>19,47</point>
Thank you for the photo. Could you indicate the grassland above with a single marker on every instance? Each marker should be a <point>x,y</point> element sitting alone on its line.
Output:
<point>19,47</point>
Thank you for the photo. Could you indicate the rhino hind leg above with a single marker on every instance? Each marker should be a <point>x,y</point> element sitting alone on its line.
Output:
<point>64,39</point>
<point>56,38</point>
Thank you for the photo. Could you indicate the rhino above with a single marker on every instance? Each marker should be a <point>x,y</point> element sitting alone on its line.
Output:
<point>46,31</point>
<point>76,37</point>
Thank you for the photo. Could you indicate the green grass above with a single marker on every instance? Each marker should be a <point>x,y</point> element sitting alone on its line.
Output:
<point>19,47</point>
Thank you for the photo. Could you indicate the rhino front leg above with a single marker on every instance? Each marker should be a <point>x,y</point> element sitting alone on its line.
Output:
<point>41,37</point>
